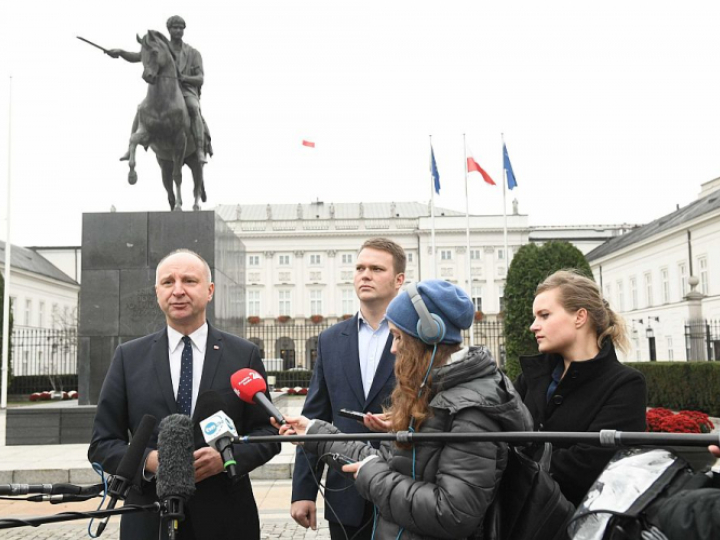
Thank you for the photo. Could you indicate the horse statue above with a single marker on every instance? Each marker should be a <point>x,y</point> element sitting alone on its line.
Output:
<point>163,123</point>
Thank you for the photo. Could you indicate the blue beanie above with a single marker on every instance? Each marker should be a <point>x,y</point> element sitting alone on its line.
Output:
<point>447,301</point>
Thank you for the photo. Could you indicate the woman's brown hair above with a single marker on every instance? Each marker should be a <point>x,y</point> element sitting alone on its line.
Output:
<point>579,292</point>
<point>411,364</point>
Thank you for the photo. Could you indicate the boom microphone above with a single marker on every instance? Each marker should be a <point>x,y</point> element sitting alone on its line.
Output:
<point>176,468</point>
<point>249,386</point>
<point>217,428</point>
<point>129,464</point>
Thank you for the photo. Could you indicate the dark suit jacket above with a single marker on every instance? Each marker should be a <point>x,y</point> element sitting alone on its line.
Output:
<point>337,384</point>
<point>138,383</point>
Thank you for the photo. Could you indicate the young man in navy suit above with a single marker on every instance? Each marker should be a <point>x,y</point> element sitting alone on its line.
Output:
<point>354,370</point>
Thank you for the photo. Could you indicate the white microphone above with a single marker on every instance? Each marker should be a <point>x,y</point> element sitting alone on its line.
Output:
<point>218,429</point>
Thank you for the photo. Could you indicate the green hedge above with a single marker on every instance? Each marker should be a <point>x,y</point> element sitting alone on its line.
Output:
<point>291,378</point>
<point>682,385</point>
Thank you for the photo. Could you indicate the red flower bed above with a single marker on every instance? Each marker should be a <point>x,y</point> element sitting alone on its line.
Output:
<point>706,425</point>
<point>664,420</point>
<point>297,391</point>
<point>47,396</point>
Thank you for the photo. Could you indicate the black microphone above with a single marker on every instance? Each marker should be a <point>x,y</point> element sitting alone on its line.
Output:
<point>57,499</point>
<point>250,386</point>
<point>50,489</point>
<point>217,428</point>
<point>176,468</point>
<point>129,464</point>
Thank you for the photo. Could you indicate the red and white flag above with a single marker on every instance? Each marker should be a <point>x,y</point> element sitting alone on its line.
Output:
<point>472,166</point>
<point>309,144</point>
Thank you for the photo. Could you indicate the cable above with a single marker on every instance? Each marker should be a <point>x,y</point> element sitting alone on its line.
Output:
<point>599,511</point>
<point>98,469</point>
<point>321,490</point>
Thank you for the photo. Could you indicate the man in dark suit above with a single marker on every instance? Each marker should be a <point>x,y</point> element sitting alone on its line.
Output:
<point>354,370</point>
<point>144,378</point>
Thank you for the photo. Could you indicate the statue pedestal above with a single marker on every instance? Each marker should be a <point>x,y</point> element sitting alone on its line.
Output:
<point>117,298</point>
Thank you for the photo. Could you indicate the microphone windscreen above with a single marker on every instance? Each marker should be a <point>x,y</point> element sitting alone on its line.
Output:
<point>132,460</point>
<point>176,464</point>
<point>208,403</point>
<point>246,383</point>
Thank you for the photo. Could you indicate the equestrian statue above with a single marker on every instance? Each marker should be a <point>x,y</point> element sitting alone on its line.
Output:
<point>169,119</point>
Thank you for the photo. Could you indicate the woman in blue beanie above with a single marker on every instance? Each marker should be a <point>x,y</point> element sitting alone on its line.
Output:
<point>433,489</point>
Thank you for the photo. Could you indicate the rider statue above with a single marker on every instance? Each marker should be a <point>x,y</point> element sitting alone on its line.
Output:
<point>191,76</point>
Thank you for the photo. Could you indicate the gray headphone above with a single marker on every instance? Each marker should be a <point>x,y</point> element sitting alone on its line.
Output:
<point>430,327</point>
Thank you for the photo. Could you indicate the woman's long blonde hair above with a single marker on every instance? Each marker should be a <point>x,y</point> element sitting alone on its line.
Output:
<point>578,291</point>
<point>411,364</point>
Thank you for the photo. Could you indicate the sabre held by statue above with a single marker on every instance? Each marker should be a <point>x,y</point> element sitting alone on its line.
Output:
<point>103,49</point>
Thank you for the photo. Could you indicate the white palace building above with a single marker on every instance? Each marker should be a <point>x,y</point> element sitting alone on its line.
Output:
<point>301,258</point>
<point>649,274</point>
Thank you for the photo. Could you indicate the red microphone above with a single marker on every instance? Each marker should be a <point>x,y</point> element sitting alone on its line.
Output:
<point>250,386</point>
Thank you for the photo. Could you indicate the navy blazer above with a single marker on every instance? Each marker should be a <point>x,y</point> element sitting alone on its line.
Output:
<point>138,382</point>
<point>337,384</point>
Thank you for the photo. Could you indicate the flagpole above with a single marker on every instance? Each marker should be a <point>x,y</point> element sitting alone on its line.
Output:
<point>432,218</point>
<point>467,241</point>
<point>8,249</point>
<point>505,228</point>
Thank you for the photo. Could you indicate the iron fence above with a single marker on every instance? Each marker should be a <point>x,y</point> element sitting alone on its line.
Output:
<point>290,346</point>
<point>702,340</point>
<point>44,359</point>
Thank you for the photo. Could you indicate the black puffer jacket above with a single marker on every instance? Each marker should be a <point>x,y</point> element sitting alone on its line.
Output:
<point>454,483</point>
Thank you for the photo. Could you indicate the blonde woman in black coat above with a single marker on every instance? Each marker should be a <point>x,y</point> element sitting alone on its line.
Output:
<point>576,383</point>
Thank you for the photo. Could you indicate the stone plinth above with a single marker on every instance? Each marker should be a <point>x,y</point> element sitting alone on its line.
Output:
<point>117,299</point>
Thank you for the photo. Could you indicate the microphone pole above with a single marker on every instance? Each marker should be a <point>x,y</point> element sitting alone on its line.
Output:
<point>605,438</point>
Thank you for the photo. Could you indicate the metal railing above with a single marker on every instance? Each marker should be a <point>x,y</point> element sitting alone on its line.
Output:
<point>45,359</point>
<point>702,340</point>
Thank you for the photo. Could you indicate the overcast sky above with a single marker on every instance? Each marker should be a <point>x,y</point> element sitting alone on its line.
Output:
<point>610,111</point>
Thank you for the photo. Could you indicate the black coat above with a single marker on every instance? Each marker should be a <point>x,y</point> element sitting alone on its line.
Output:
<point>595,394</point>
<point>139,383</point>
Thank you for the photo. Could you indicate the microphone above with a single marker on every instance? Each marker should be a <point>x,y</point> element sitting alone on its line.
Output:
<point>217,428</point>
<point>129,464</point>
<point>51,489</point>
<point>249,386</point>
<point>58,499</point>
<point>176,468</point>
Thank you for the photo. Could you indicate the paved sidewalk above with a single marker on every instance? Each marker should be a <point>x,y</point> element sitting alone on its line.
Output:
<point>68,463</point>
<point>273,499</point>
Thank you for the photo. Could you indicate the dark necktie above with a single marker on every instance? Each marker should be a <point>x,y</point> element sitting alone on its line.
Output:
<point>185,388</point>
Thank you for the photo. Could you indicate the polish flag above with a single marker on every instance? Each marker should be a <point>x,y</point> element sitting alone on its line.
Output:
<point>309,144</point>
<point>472,166</point>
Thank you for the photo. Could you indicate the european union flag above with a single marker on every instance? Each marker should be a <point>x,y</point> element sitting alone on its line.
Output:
<point>434,171</point>
<point>508,169</point>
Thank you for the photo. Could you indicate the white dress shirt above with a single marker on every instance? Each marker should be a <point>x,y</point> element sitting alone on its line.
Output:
<point>371,344</point>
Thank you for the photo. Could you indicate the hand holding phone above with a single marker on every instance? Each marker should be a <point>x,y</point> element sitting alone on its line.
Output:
<point>354,415</point>
<point>345,460</point>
